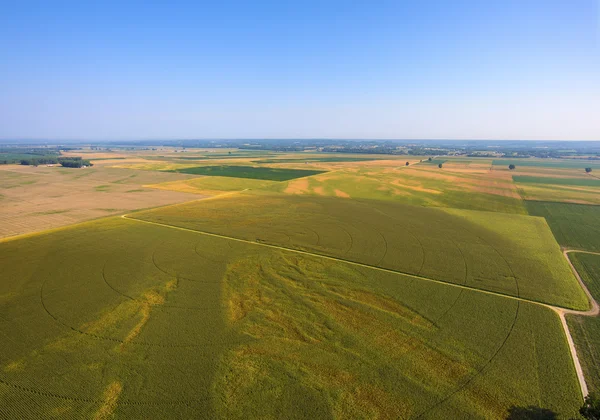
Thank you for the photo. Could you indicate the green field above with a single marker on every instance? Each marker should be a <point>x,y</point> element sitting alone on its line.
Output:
<point>120,317</point>
<point>574,225</point>
<point>317,159</point>
<point>509,254</point>
<point>434,161</point>
<point>271,174</point>
<point>583,182</point>
<point>586,330</point>
<point>213,185</point>
<point>549,163</point>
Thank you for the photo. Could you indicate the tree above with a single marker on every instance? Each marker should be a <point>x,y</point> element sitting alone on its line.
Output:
<point>406,163</point>
<point>440,166</point>
<point>591,407</point>
<point>511,166</point>
<point>588,170</point>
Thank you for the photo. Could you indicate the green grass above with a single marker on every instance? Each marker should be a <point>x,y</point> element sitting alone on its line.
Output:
<point>169,323</point>
<point>583,182</point>
<point>509,254</point>
<point>271,174</point>
<point>573,225</point>
<point>549,163</point>
<point>586,330</point>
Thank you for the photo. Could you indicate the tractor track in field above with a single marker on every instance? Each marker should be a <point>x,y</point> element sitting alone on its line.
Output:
<point>560,311</point>
<point>113,339</point>
<point>126,296</point>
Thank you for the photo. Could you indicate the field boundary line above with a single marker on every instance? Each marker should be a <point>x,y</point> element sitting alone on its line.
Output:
<point>314,254</point>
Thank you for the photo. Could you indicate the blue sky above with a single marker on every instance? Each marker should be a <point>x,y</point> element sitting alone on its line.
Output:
<point>451,69</point>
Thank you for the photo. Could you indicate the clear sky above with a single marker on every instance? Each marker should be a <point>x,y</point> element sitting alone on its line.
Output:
<point>455,69</point>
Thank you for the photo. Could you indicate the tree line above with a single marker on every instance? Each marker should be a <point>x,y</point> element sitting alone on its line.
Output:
<point>67,162</point>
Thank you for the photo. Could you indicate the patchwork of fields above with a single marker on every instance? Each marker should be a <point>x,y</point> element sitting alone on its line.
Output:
<point>309,285</point>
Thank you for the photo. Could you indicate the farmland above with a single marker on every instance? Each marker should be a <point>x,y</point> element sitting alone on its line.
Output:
<point>453,246</point>
<point>35,199</point>
<point>586,330</point>
<point>239,317</point>
<point>573,225</point>
<point>270,174</point>
<point>458,185</point>
<point>255,284</point>
<point>588,182</point>
<point>550,164</point>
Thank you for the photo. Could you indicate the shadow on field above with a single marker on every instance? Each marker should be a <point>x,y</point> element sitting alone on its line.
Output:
<point>530,413</point>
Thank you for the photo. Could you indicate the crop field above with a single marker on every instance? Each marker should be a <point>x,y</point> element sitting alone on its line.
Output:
<point>586,330</point>
<point>316,159</point>
<point>123,318</point>
<point>34,199</point>
<point>560,193</point>
<point>583,182</point>
<point>546,163</point>
<point>251,172</point>
<point>509,254</point>
<point>259,284</point>
<point>458,185</point>
<point>433,161</point>
<point>574,225</point>
<point>213,185</point>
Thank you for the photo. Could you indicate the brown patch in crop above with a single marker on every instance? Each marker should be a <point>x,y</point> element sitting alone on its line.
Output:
<point>319,190</point>
<point>16,366</point>
<point>109,401</point>
<point>298,186</point>
<point>385,304</point>
<point>340,193</point>
<point>151,298</point>
<point>242,291</point>
<point>419,188</point>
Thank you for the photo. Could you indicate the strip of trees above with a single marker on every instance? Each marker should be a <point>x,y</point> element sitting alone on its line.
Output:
<point>67,162</point>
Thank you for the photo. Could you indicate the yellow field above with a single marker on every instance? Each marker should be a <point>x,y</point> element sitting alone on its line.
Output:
<point>212,185</point>
<point>35,199</point>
